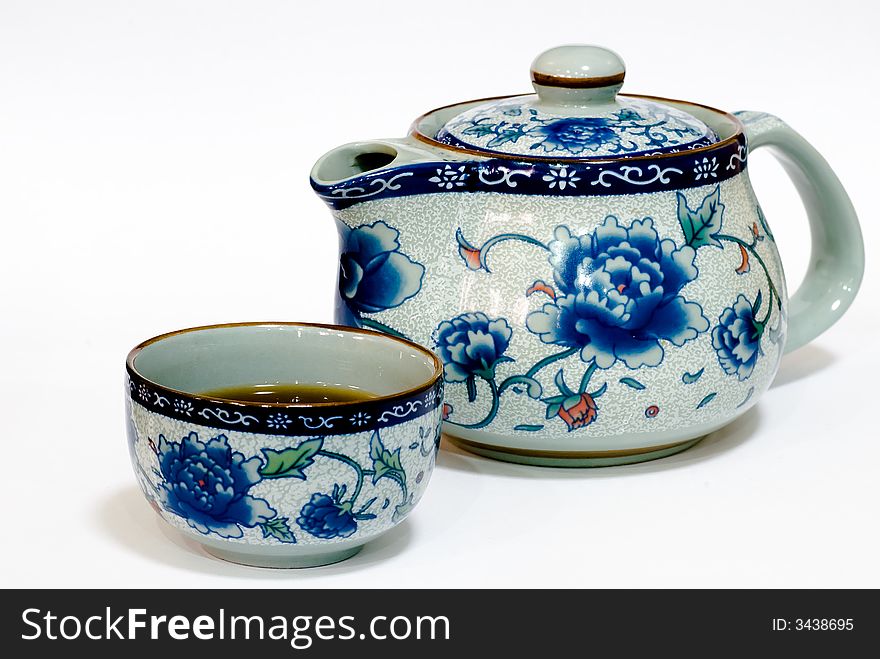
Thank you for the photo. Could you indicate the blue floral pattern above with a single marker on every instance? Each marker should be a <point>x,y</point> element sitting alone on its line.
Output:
<point>207,485</point>
<point>471,345</point>
<point>576,135</point>
<point>620,295</point>
<point>514,127</point>
<point>325,516</point>
<point>737,338</point>
<point>374,275</point>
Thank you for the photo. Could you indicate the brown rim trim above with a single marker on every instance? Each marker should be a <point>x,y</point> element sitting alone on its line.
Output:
<point>576,83</point>
<point>438,366</point>
<point>533,453</point>
<point>430,141</point>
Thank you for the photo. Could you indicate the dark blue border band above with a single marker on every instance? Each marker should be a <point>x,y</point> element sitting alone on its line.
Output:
<point>557,179</point>
<point>342,420</point>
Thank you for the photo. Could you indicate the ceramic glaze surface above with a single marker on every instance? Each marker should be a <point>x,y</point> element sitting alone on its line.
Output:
<point>576,113</point>
<point>627,128</point>
<point>282,485</point>
<point>289,489</point>
<point>582,321</point>
<point>593,269</point>
<point>574,64</point>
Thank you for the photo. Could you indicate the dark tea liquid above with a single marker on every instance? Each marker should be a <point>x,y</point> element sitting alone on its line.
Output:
<point>285,392</point>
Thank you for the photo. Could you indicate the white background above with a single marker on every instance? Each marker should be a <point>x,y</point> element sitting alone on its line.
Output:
<point>154,161</point>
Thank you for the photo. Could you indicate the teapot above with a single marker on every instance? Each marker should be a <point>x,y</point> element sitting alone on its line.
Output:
<point>593,268</point>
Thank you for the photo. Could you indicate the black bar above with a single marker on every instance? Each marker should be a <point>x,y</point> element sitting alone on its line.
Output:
<point>511,622</point>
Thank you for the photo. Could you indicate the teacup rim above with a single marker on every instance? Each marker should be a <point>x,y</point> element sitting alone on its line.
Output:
<point>425,386</point>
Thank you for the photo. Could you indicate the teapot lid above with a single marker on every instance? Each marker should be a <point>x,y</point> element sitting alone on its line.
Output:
<point>576,113</point>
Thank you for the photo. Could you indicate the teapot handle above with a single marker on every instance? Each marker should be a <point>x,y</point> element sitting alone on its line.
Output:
<point>837,257</point>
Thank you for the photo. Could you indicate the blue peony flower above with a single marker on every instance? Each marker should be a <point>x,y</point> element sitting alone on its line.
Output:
<point>373,274</point>
<point>472,345</point>
<point>576,135</point>
<point>325,517</point>
<point>207,485</point>
<point>619,294</point>
<point>737,339</point>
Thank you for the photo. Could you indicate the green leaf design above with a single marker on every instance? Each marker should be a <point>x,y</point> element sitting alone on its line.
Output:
<point>756,307</point>
<point>764,226</point>
<point>381,327</point>
<point>401,510</point>
<point>553,410</point>
<point>528,427</point>
<point>489,373</point>
<point>748,397</point>
<point>376,446</point>
<point>702,225</point>
<point>505,136</point>
<point>278,528</point>
<point>384,467</point>
<point>385,463</point>
<point>706,400</point>
<point>632,382</point>
<point>363,514</point>
<point>290,462</point>
<point>532,386</point>
<point>690,378</point>
<point>479,130</point>
<point>560,382</point>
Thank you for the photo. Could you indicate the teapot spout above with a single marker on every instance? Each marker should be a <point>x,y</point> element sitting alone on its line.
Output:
<point>358,158</point>
<point>359,170</point>
<point>346,177</point>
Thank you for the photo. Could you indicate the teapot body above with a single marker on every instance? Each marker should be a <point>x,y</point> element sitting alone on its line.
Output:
<point>587,313</point>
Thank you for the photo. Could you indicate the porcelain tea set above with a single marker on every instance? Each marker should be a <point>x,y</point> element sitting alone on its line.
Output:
<point>575,278</point>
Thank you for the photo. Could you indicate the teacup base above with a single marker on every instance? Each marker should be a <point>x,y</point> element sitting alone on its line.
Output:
<point>282,560</point>
<point>573,458</point>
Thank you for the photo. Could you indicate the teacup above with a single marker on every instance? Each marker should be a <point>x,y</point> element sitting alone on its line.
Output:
<point>283,484</point>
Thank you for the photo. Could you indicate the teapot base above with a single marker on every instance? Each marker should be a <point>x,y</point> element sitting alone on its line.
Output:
<point>257,558</point>
<point>572,458</point>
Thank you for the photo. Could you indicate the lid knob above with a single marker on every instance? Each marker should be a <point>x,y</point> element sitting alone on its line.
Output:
<point>577,75</point>
<point>578,67</point>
